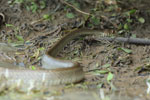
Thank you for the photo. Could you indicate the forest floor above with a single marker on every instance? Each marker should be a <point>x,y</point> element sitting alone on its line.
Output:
<point>117,68</point>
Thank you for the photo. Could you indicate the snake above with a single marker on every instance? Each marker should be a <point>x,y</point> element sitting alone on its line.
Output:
<point>54,71</point>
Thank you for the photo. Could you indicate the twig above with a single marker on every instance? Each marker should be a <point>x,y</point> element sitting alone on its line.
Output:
<point>78,10</point>
<point>39,20</point>
<point>130,40</point>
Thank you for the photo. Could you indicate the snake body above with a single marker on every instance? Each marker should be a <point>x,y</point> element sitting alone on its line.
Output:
<point>54,71</point>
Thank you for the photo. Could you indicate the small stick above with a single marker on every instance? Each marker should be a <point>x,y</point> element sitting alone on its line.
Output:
<point>78,10</point>
<point>130,40</point>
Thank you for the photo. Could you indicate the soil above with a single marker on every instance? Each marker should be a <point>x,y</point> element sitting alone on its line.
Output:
<point>130,69</point>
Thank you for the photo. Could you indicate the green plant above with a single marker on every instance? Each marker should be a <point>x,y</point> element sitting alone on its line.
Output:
<point>70,15</point>
<point>31,5</point>
<point>19,40</point>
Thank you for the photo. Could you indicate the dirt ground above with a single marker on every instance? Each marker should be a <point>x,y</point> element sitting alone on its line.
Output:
<point>129,63</point>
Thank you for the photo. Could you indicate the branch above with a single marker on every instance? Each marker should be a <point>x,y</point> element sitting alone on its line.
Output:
<point>78,10</point>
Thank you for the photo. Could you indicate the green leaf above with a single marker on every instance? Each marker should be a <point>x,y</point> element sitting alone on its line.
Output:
<point>141,20</point>
<point>9,40</point>
<point>33,7</point>
<point>41,49</point>
<point>95,21</point>
<point>19,1</point>
<point>126,27</point>
<point>42,4</point>
<point>9,25</point>
<point>138,68</point>
<point>128,13</point>
<point>96,65</point>
<point>90,25</point>
<point>70,15</point>
<point>121,31</point>
<point>46,16</point>
<point>120,26</point>
<point>101,71</point>
<point>109,77</point>
<point>129,20</point>
<point>33,67</point>
<point>133,35</point>
<point>126,50</point>
<point>38,58</point>
<point>132,11</point>
<point>20,38</point>
<point>28,8</point>
<point>17,44</point>
<point>106,65</point>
